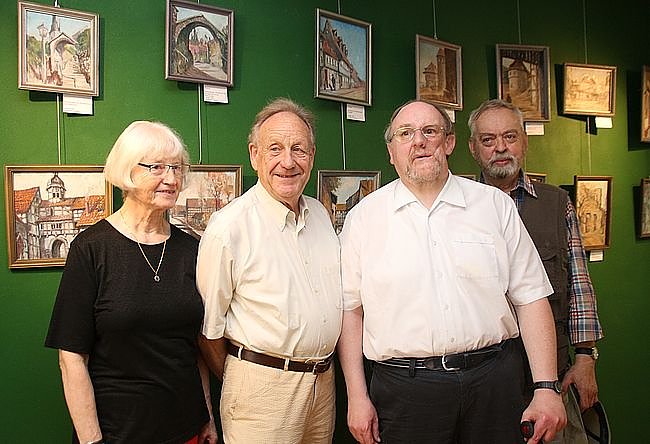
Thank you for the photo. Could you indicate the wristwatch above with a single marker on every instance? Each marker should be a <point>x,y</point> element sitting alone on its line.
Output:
<point>591,351</point>
<point>556,386</point>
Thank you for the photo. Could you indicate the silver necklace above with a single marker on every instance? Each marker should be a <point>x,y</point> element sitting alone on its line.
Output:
<point>155,270</point>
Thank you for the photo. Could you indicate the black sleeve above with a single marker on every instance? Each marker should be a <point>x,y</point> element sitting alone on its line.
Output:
<point>72,326</point>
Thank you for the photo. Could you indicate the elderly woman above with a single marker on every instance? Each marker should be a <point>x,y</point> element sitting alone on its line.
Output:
<point>127,314</point>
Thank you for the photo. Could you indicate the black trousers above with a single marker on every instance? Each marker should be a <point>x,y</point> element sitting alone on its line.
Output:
<point>481,405</point>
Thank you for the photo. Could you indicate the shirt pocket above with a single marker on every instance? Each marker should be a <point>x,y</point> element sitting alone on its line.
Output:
<point>475,256</point>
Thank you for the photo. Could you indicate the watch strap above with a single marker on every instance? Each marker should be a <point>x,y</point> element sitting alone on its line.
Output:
<point>550,385</point>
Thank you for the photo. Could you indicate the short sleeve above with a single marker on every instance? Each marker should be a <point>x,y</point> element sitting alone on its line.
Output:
<point>72,326</point>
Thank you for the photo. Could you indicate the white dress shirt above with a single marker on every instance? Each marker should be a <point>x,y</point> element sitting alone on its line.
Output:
<point>268,282</point>
<point>438,281</point>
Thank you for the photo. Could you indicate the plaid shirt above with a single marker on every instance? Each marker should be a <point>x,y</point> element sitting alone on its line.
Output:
<point>583,316</point>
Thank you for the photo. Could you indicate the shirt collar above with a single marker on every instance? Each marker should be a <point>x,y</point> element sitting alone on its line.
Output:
<point>280,214</point>
<point>523,182</point>
<point>451,193</point>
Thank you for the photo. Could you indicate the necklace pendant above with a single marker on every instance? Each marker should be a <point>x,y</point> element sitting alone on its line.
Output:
<point>156,278</point>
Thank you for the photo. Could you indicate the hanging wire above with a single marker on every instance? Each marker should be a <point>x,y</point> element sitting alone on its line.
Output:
<point>58,128</point>
<point>338,10</point>
<point>343,134</point>
<point>200,88</point>
<point>435,24</point>
<point>518,22</point>
<point>584,36</point>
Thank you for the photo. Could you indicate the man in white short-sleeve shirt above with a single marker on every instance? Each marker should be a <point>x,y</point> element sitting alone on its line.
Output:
<point>268,270</point>
<point>439,278</point>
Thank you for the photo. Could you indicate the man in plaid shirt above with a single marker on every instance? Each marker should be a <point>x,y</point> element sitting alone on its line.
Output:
<point>499,143</point>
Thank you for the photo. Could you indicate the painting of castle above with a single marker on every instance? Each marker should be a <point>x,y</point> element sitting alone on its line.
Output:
<point>49,208</point>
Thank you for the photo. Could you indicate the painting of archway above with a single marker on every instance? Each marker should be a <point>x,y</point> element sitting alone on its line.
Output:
<point>198,43</point>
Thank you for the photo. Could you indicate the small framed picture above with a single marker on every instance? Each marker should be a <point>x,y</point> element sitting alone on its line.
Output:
<point>343,59</point>
<point>199,43</point>
<point>340,190</point>
<point>47,206</point>
<point>58,50</point>
<point>593,198</point>
<point>537,177</point>
<point>523,79</point>
<point>589,89</point>
<point>438,72</point>
<point>645,104</point>
<point>209,188</point>
<point>644,214</point>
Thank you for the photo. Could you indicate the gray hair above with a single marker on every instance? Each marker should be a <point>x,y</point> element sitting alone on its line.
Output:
<point>490,105</point>
<point>449,126</point>
<point>139,140</point>
<point>280,105</point>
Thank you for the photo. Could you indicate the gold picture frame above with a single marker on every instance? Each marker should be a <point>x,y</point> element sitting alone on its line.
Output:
<point>589,90</point>
<point>208,189</point>
<point>593,198</point>
<point>438,72</point>
<point>47,206</point>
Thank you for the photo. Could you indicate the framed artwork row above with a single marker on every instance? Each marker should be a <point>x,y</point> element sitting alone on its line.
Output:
<point>47,206</point>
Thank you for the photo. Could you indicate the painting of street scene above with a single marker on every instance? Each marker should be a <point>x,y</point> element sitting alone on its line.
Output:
<point>209,188</point>
<point>342,59</point>
<point>524,77</point>
<point>58,50</point>
<point>47,207</point>
<point>199,43</point>
<point>340,191</point>
<point>439,72</point>
<point>589,89</point>
<point>593,206</point>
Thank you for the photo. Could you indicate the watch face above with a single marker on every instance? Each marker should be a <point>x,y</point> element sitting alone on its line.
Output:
<point>557,386</point>
<point>594,353</point>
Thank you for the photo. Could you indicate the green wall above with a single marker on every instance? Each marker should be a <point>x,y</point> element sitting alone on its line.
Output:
<point>274,56</point>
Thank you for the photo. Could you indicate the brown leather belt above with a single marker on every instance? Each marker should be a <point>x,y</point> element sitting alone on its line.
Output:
<point>275,362</point>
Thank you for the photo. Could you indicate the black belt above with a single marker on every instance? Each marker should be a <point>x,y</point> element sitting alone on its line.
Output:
<point>458,361</point>
<point>284,364</point>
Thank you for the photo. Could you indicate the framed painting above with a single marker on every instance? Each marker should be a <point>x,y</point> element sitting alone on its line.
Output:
<point>209,188</point>
<point>537,177</point>
<point>438,72</point>
<point>593,198</point>
<point>47,206</point>
<point>645,104</point>
<point>199,43</point>
<point>524,79</point>
<point>589,89</point>
<point>340,190</point>
<point>343,59</point>
<point>644,213</point>
<point>58,50</point>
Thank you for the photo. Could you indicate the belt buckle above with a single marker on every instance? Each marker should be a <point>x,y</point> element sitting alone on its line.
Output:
<point>444,364</point>
<point>320,364</point>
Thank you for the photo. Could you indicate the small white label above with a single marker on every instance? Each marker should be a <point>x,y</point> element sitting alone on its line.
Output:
<point>604,122</point>
<point>452,114</point>
<point>596,256</point>
<point>73,104</point>
<point>215,94</point>
<point>355,112</point>
<point>534,128</point>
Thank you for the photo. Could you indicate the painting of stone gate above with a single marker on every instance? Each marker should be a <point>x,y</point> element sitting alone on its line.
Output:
<point>199,43</point>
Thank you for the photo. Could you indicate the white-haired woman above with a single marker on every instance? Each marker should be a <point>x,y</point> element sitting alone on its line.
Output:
<point>127,314</point>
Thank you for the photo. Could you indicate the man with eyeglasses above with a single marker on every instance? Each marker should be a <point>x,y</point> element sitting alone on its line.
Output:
<point>269,272</point>
<point>499,144</point>
<point>439,278</point>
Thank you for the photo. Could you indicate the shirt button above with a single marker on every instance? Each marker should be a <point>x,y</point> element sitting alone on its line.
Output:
<point>452,340</point>
<point>324,346</point>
